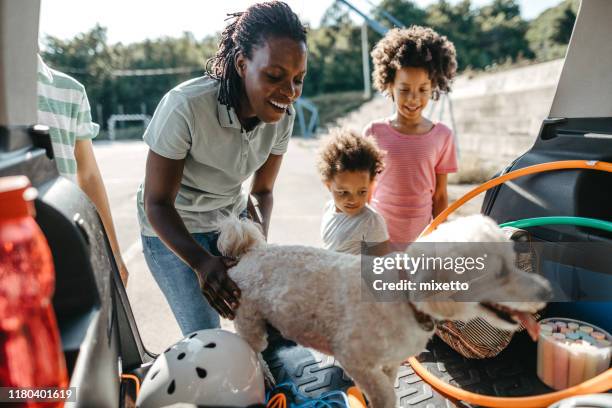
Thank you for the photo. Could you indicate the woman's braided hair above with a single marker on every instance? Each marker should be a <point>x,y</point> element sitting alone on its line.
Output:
<point>246,31</point>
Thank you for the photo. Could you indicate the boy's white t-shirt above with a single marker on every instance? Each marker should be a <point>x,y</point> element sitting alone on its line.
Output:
<point>343,233</point>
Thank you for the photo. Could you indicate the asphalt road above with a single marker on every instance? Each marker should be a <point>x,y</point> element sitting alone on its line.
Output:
<point>298,202</point>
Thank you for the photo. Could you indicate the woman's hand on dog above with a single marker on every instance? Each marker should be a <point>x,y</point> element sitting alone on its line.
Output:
<point>219,290</point>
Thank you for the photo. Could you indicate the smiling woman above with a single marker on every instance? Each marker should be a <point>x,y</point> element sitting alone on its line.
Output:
<point>207,136</point>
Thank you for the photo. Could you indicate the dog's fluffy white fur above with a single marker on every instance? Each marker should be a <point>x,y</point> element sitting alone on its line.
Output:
<point>314,297</point>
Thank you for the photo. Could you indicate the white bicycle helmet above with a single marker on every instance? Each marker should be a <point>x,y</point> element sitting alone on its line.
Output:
<point>206,368</point>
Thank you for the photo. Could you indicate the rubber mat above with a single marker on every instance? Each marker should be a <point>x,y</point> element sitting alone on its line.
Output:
<point>511,373</point>
<point>313,373</point>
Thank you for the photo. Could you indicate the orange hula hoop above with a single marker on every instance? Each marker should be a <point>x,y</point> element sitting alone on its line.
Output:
<point>600,383</point>
<point>537,168</point>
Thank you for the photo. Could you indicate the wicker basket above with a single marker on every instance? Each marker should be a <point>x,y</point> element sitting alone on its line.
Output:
<point>477,338</point>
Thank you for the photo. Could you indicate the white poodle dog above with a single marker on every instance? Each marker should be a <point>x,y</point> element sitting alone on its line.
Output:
<point>316,298</point>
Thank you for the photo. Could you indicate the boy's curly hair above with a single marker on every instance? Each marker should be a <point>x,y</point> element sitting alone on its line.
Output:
<point>348,151</point>
<point>419,47</point>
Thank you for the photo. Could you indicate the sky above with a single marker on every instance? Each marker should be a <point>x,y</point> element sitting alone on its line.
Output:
<point>130,21</point>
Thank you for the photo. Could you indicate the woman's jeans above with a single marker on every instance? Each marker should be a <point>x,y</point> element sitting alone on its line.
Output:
<point>179,283</point>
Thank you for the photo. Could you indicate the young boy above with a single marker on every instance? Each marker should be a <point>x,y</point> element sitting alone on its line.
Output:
<point>64,107</point>
<point>348,165</point>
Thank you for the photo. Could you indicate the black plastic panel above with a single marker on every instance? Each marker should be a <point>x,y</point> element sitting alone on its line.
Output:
<point>585,193</point>
<point>511,374</point>
<point>87,296</point>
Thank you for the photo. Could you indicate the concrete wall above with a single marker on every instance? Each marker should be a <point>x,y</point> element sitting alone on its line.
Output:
<point>497,115</point>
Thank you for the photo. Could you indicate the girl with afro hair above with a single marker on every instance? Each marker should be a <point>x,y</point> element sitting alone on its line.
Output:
<point>412,66</point>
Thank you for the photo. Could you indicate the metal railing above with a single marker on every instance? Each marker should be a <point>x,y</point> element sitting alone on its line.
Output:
<point>309,129</point>
<point>112,121</point>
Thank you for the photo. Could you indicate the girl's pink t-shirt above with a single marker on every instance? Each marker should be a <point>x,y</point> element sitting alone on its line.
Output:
<point>404,190</point>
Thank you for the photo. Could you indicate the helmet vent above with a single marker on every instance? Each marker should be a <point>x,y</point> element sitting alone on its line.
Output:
<point>193,335</point>
<point>154,374</point>
<point>171,387</point>
<point>201,372</point>
<point>168,349</point>
<point>210,345</point>
<point>181,356</point>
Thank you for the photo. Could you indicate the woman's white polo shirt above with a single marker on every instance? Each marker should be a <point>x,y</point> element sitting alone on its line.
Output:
<point>189,123</point>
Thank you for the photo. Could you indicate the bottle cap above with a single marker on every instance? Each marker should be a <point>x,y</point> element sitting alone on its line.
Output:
<point>572,336</point>
<point>588,339</point>
<point>16,197</point>
<point>547,328</point>
<point>598,335</point>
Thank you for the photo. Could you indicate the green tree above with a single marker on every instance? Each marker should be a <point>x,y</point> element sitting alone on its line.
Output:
<point>459,23</point>
<point>403,10</point>
<point>482,36</point>
<point>502,32</point>
<point>134,89</point>
<point>86,57</point>
<point>334,61</point>
<point>89,59</point>
<point>549,34</point>
<point>109,72</point>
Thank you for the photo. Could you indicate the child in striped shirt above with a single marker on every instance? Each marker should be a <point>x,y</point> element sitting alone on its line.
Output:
<point>411,66</point>
<point>63,107</point>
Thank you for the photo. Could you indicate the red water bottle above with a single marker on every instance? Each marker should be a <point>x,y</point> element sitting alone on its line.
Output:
<point>30,348</point>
